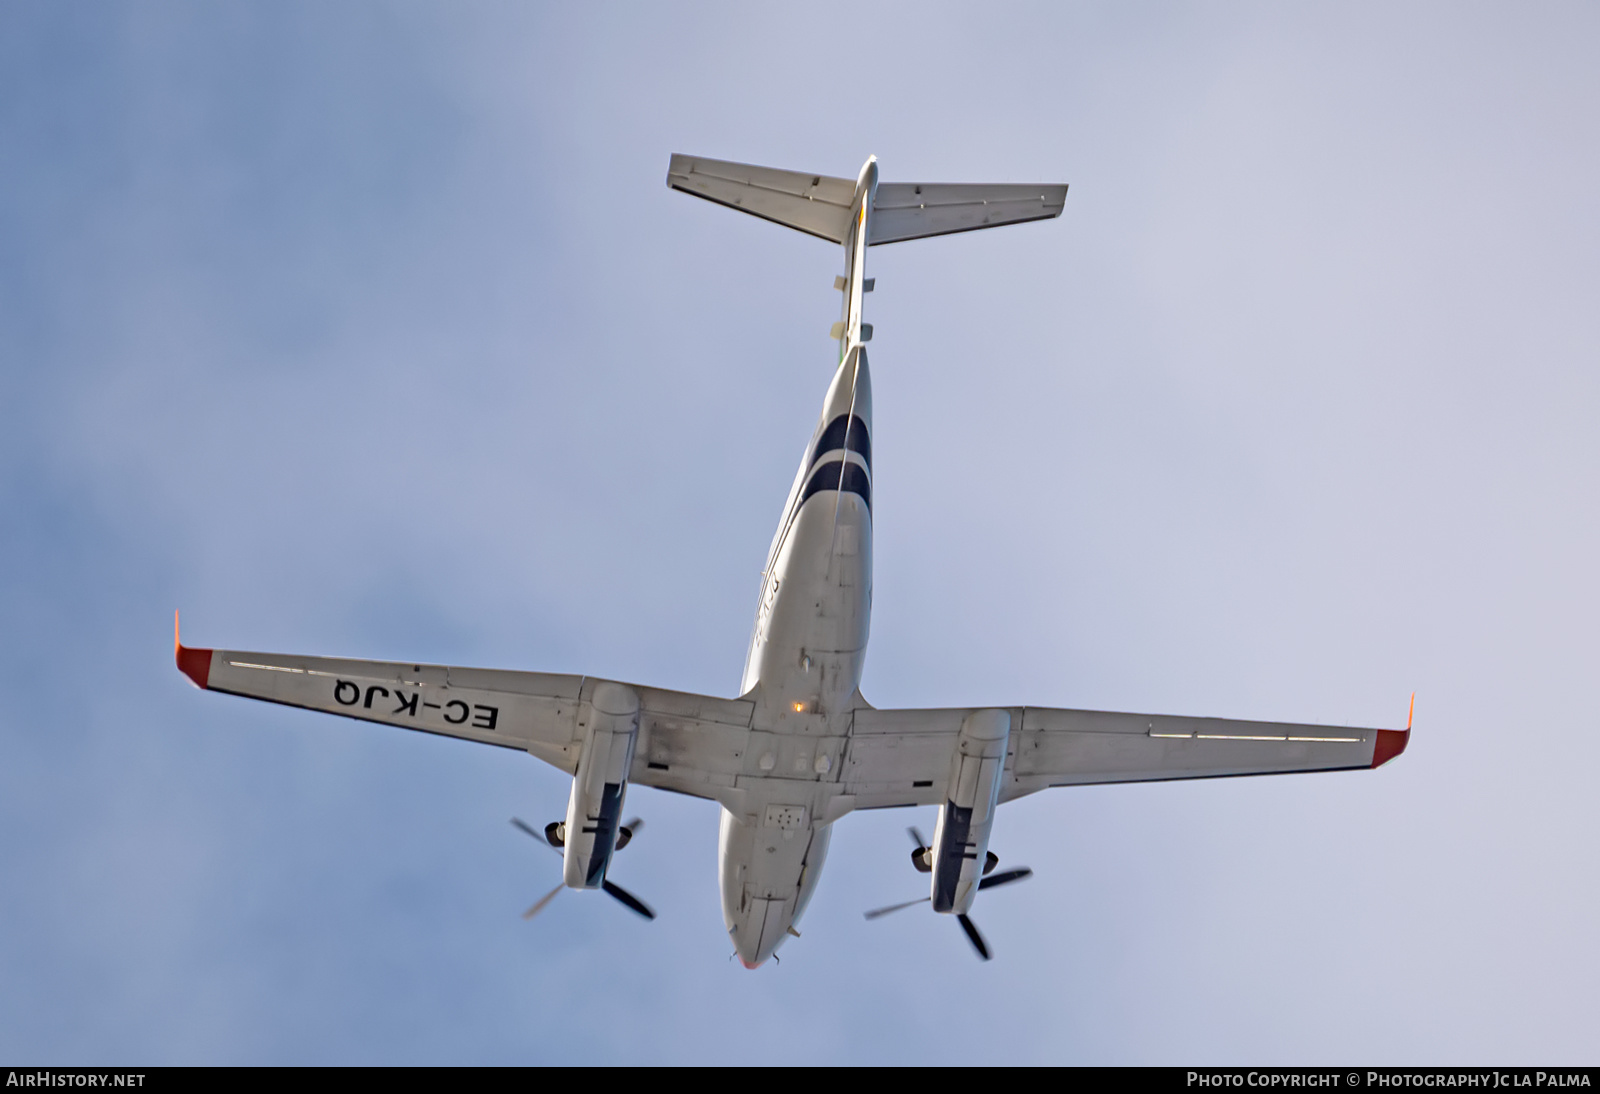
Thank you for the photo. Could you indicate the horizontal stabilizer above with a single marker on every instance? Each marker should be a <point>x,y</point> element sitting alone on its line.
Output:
<point>915,210</point>
<point>821,205</point>
<point>816,204</point>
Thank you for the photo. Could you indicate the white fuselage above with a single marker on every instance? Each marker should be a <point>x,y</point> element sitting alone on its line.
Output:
<point>803,673</point>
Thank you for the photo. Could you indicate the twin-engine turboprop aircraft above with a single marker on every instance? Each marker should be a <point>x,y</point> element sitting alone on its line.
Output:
<point>800,748</point>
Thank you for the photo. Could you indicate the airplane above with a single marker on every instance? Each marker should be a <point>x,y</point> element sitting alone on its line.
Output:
<point>799,747</point>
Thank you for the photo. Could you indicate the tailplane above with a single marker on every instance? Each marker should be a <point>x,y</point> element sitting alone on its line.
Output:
<point>821,205</point>
<point>862,213</point>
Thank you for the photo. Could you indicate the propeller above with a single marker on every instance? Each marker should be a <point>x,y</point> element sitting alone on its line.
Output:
<point>920,859</point>
<point>1004,877</point>
<point>973,936</point>
<point>879,912</point>
<point>549,839</point>
<point>546,899</point>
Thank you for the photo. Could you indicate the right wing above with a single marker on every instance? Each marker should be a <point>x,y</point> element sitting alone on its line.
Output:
<point>902,757</point>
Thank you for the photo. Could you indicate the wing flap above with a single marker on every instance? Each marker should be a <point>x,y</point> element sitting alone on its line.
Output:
<point>691,744</point>
<point>900,757</point>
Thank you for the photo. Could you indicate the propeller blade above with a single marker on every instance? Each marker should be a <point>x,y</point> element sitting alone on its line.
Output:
<point>876,912</point>
<point>628,898</point>
<point>636,825</point>
<point>1005,877</point>
<point>916,837</point>
<point>522,824</point>
<point>543,901</point>
<point>974,937</point>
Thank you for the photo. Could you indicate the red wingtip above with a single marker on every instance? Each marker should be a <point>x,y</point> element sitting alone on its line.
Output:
<point>195,664</point>
<point>1392,742</point>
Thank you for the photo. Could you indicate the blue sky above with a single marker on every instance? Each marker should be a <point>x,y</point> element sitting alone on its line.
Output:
<point>373,330</point>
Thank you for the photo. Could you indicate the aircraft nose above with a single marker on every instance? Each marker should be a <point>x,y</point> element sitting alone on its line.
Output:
<point>759,931</point>
<point>747,946</point>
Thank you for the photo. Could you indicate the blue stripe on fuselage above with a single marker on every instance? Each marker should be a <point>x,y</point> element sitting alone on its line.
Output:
<point>838,475</point>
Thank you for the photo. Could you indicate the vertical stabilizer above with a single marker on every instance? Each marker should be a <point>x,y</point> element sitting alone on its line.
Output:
<point>850,331</point>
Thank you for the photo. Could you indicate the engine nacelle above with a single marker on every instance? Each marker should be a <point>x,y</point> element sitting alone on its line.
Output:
<point>961,841</point>
<point>594,811</point>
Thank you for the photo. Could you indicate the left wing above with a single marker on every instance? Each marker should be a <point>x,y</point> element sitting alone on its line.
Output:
<point>903,757</point>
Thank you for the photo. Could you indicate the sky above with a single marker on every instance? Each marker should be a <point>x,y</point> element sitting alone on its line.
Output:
<point>372,330</point>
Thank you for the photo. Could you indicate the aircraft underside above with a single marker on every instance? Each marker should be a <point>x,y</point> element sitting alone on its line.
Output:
<point>803,672</point>
<point>799,748</point>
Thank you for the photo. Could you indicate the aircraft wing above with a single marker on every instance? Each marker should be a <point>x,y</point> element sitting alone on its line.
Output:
<point>693,744</point>
<point>902,757</point>
<point>704,746</point>
<point>533,711</point>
